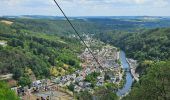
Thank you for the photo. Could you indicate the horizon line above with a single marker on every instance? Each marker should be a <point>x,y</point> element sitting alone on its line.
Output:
<point>92,15</point>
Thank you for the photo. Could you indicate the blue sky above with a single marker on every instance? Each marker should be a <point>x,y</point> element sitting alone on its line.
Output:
<point>86,7</point>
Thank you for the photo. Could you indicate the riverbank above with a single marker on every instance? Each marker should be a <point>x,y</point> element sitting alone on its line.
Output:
<point>133,64</point>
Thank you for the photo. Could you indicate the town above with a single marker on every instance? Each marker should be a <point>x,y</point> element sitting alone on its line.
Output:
<point>110,70</point>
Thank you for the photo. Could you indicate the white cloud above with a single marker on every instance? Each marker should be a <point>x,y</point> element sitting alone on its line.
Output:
<point>85,7</point>
<point>11,2</point>
<point>116,1</point>
<point>161,3</point>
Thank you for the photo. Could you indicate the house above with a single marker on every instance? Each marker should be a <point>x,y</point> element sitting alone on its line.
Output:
<point>36,83</point>
<point>56,80</point>
<point>100,77</point>
<point>87,84</point>
<point>77,88</point>
<point>78,79</point>
<point>113,79</point>
<point>99,83</point>
<point>72,77</point>
<point>67,83</point>
<point>81,84</point>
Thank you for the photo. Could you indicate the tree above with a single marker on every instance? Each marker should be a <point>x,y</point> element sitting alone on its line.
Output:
<point>71,62</point>
<point>106,77</point>
<point>103,93</point>
<point>17,73</point>
<point>53,71</point>
<point>92,77</point>
<point>6,93</point>
<point>85,95</point>
<point>24,81</point>
<point>51,60</point>
<point>1,47</point>
<point>15,43</point>
<point>71,87</point>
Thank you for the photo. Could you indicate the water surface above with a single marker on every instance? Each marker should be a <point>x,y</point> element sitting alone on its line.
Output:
<point>129,80</point>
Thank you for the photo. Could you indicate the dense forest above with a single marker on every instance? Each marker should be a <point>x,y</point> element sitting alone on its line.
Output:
<point>37,54</point>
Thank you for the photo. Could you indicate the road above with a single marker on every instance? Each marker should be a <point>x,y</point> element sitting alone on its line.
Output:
<point>132,66</point>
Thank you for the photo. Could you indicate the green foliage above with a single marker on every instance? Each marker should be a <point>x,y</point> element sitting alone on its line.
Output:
<point>15,61</point>
<point>6,93</point>
<point>154,85</point>
<point>60,27</point>
<point>105,94</point>
<point>92,78</point>
<point>99,94</point>
<point>17,73</point>
<point>71,87</point>
<point>36,51</point>
<point>24,81</point>
<point>5,28</point>
<point>67,58</point>
<point>85,95</point>
<point>15,43</point>
<point>106,77</point>
<point>151,44</point>
<point>143,65</point>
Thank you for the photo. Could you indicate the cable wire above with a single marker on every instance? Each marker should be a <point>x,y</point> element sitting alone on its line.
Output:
<point>77,33</point>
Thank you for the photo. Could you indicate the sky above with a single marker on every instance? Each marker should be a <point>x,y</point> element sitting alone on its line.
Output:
<point>86,7</point>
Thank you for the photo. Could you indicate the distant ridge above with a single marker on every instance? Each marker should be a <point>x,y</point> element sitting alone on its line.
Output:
<point>79,17</point>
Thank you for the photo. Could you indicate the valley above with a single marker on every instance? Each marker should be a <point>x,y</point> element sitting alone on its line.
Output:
<point>42,56</point>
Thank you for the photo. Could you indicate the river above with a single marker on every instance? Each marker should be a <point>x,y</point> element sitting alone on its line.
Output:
<point>129,79</point>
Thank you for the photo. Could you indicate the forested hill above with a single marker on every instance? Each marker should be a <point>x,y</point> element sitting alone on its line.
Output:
<point>154,85</point>
<point>60,26</point>
<point>152,50</point>
<point>92,25</point>
<point>151,44</point>
<point>26,54</point>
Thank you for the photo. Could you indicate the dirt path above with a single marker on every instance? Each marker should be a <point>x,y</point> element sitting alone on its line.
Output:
<point>5,77</point>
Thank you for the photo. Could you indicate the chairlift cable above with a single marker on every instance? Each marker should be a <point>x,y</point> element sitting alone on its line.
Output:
<point>77,33</point>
